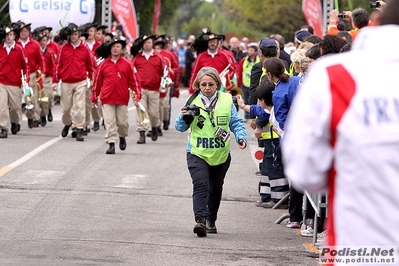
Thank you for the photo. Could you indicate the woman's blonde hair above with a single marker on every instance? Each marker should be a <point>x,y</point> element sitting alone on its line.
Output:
<point>207,71</point>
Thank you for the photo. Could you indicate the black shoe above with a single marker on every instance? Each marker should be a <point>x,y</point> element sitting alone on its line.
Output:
<point>43,121</point>
<point>3,133</point>
<point>14,128</point>
<point>74,132</point>
<point>35,123</point>
<point>96,126</point>
<point>165,125</point>
<point>111,149</point>
<point>79,135</point>
<point>142,138</point>
<point>149,133</point>
<point>160,132</point>
<point>103,124</point>
<point>50,116</point>
<point>65,131</point>
<point>200,227</point>
<point>211,227</point>
<point>85,132</point>
<point>122,143</point>
<point>154,134</point>
<point>30,123</point>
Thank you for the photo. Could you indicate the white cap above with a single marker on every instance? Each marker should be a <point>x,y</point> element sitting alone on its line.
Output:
<point>180,42</point>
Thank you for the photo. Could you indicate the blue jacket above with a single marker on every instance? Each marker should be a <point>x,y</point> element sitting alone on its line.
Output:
<point>257,110</point>
<point>236,126</point>
<point>283,96</point>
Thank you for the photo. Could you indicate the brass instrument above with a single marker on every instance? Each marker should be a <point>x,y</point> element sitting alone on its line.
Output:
<point>166,82</point>
<point>140,109</point>
<point>99,60</point>
<point>223,78</point>
<point>28,92</point>
<point>40,89</point>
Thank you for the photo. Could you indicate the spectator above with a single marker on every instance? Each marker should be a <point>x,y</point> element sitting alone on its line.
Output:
<point>331,44</point>
<point>336,155</point>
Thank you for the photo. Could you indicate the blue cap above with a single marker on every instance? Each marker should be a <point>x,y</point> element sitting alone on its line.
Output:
<point>301,35</point>
<point>267,44</point>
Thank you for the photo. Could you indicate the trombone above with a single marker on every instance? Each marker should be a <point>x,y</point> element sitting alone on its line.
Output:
<point>28,92</point>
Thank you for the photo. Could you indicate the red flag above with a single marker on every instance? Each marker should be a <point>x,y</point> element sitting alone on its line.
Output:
<point>313,15</point>
<point>125,14</point>
<point>157,13</point>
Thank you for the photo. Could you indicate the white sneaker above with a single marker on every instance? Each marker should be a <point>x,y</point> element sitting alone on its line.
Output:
<point>308,232</point>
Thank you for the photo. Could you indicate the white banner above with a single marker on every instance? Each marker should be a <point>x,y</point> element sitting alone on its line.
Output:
<point>51,13</point>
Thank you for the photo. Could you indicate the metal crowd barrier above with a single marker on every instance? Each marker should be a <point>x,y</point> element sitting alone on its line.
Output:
<point>315,201</point>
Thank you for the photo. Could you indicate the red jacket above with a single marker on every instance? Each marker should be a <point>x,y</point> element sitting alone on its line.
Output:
<point>219,62</point>
<point>113,81</point>
<point>34,56</point>
<point>11,65</point>
<point>95,46</point>
<point>149,71</point>
<point>73,63</point>
<point>49,59</point>
<point>55,47</point>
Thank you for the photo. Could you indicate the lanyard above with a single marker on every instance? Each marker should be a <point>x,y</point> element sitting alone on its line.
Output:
<point>211,109</point>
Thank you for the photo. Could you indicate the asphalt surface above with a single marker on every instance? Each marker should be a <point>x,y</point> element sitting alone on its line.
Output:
<point>64,202</point>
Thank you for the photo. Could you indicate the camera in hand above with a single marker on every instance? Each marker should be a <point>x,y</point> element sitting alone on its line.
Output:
<point>341,15</point>
<point>192,110</point>
<point>375,4</point>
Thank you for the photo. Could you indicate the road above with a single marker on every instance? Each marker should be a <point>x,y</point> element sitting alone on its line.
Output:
<point>64,202</point>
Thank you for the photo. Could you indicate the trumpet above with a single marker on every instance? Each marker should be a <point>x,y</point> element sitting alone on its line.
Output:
<point>28,92</point>
<point>140,109</point>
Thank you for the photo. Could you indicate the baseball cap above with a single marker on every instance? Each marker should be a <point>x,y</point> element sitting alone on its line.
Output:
<point>267,44</point>
<point>301,35</point>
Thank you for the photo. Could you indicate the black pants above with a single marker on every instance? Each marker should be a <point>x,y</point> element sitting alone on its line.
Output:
<point>207,186</point>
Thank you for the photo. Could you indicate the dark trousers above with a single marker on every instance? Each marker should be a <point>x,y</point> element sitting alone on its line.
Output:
<point>207,186</point>
<point>272,166</point>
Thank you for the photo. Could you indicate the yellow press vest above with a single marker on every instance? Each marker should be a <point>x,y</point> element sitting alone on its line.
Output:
<point>246,71</point>
<point>204,143</point>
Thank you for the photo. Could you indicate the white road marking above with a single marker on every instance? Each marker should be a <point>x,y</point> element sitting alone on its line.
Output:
<point>28,156</point>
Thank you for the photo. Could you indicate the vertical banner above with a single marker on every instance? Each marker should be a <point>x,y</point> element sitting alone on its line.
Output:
<point>313,15</point>
<point>125,14</point>
<point>157,13</point>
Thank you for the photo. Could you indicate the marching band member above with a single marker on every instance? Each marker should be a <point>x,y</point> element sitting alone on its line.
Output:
<point>35,66</point>
<point>93,44</point>
<point>55,48</point>
<point>114,77</point>
<point>49,58</point>
<point>207,47</point>
<point>175,74</point>
<point>149,66</point>
<point>74,66</point>
<point>12,61</point>
<point>100,34</point>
